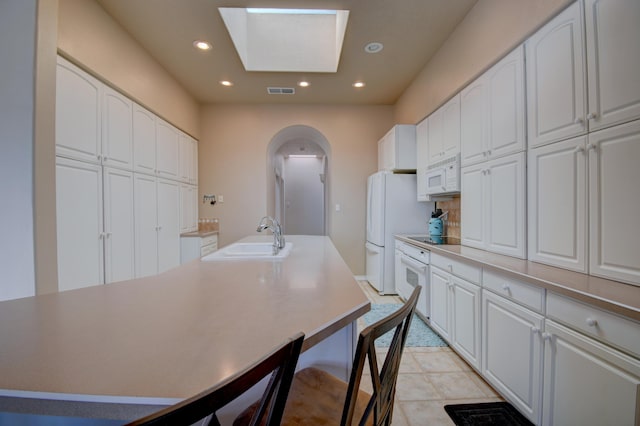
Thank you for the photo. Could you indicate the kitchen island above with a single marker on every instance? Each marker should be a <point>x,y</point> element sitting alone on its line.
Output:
<point>122,350</point>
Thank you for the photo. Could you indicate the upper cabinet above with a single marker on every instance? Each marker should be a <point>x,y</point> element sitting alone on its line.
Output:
<point>444,131</point>
<point>117,130</point>
<point>78,113</point>
<point>613,61</point>
<point>492,112</point>
<point>557,58</point>
<point>144,140</point>
<point>167,150</point>
<point>397,149</point>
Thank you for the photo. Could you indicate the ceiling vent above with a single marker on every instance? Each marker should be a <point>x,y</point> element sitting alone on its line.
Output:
<point>281,90</point>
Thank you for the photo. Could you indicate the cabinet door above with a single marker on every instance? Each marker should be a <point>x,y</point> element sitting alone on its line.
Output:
<point>451,127</point>
<point>613,60</point>
<point>473,122</point>
<point>168,224</point>
<point>78,108</point>
<point>117,130</point>
<point>465,316</point>
<point>422,159</point>
<point>505,83</point>
<point>144,140</point>
<point>119,257</point>
<point>472,205</point>
<point>146,223</point>
<point>187,207</point>
<point>440,294</point>
<point>557,195</point>
<point>186,158</point>
<point>79,224</point>
<point>587,383</point>
<point>505,213</point>
<point>512,352</point>
<point>614,203</point>
<point>556,83</point>
<point>168,150</point>
<point>436,135</point>
<point>194,166</point>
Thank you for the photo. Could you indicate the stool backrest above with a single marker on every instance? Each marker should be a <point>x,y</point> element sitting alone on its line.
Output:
<point>281,363</point>
<point>380,406</point>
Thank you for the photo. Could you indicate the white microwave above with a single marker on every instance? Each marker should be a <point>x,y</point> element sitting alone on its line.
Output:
<point>443,178</point>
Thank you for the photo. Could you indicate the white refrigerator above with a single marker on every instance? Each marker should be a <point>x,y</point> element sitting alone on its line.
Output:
<point>392,208</point>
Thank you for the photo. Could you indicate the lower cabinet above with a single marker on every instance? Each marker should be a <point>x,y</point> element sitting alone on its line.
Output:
<point>512,352</point>
<point>586,382</point>
<point>455,313</point>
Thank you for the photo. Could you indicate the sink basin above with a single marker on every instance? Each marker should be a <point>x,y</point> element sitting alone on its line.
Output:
<point>249,251</point>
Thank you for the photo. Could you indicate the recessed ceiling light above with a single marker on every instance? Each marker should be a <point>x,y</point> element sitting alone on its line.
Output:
<point>202,45</point>
<point>226,83</point>
<point>373,47</point>
<point>358,84</point>
<point>303,83</point>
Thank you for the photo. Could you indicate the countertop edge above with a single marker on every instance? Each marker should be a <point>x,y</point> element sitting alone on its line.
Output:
<point>615,306</point>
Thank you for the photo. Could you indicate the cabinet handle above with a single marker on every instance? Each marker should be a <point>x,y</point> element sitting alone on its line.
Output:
<point>592,322</point>
<point>591,115</point>
<point>591,147</point>
<point>578,120</point>
<point>506,288</point>
<point>488,152</point>
<point>547,336</point>
<point>578,149</point>
<point>444,188</point>
<point>105,158</point>
<point>450,266</point>
<point>99,157</point>
<point>535,330</point>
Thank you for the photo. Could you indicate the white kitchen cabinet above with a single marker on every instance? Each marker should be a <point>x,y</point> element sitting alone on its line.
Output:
<point>614,202</point>
<point>512,352</point>
<point>157,221</point>
<point>440,294</point>
<point>119,229</point>
<point>444,131</point>
<point>492,112</point>
<point>144,140</point>
<point>613,61</point>
<point>78,113</point>
<point>586,382</point>
<point>167,150</point>
<point>465,320</point>
<point>557,204</point>
<point>188,208</point>
<point>422,158</point>
<point>79,224</point>
<point>186,158</point>
<point>556,79</point>
<point>397,149</point>
<point>493,215</point>
<point>196,246</point>
<point>117,130</point>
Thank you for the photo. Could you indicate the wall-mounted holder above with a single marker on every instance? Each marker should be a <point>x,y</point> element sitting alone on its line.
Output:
<point>210,198</point>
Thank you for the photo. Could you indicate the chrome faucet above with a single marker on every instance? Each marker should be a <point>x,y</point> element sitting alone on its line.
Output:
<point>267,222</point>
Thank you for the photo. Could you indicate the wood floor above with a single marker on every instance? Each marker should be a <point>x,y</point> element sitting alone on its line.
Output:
<point>429,379</point>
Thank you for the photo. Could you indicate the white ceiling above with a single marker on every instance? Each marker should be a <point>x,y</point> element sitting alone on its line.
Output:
<point>411,31</point>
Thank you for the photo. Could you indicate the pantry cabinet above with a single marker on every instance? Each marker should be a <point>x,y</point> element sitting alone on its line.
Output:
<point>613,61</point>
<point>78,113</point>
<point>556,79</point>
<point>512,351</point>
<point>144,140</point>
<point>493,213</point>
<point>422,158</point>
<point>167,150</point>
<point>492,112</point>
<point>188,171</point>
<point>557,204</point>
<point>444,131</point>
<point>117,130</point>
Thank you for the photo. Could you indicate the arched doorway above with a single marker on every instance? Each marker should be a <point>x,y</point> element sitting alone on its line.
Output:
<point>298,164</point>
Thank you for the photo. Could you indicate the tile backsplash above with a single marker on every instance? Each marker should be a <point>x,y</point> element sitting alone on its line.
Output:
<point>452,222</point>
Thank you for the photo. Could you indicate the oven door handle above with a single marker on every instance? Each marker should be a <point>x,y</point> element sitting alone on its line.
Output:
<point>414,263</point>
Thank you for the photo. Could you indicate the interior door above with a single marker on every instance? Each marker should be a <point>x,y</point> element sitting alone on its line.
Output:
<point>375,209</point>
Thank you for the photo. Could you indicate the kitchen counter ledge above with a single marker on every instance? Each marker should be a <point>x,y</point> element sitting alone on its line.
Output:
<point>615,296</point>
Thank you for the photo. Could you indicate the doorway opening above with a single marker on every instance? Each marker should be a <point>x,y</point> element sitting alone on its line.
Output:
<point>298,160</point>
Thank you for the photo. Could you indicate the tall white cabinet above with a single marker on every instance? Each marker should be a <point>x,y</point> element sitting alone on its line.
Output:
<point>120,170</point>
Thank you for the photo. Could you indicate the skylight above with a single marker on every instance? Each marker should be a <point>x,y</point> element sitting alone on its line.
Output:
<point>287,40</point>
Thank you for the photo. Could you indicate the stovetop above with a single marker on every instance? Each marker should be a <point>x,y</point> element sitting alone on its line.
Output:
<point>434,240</point>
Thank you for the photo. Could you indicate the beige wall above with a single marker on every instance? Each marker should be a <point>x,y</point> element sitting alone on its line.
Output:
<point>233,163</point>
<point>489,31</point>
<point>88,36</point>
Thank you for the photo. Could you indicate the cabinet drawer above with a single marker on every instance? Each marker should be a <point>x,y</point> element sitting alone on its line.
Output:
<point>518,291</point>
<point>208,249</point>
<point>595,322</point>
<point>208,240</point>
<point>461,269</point>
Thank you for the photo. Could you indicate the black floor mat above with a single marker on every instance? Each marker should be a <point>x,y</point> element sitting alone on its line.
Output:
<point>485,414</point>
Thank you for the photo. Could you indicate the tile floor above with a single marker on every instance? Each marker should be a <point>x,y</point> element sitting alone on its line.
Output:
<point>429,379</point>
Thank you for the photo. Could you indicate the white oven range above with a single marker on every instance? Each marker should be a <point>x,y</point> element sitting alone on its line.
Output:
<point>412,270</point>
